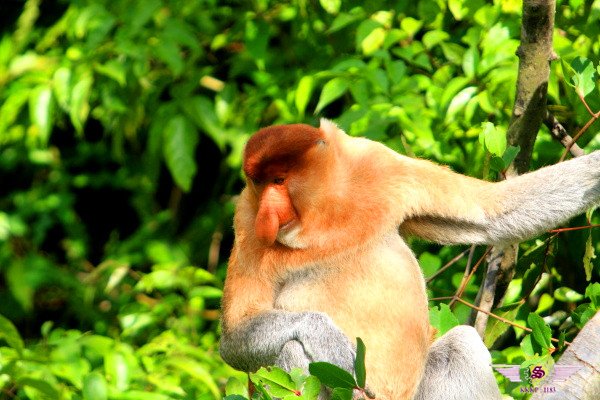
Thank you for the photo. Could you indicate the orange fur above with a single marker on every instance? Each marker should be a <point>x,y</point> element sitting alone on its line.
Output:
<point>317,230</point>
<point>349,196</point>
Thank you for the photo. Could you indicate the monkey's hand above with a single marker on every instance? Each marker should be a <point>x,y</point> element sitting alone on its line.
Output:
<point>287,339</point>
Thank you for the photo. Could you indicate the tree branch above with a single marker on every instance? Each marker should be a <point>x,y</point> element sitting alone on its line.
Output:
<point>535,54</point>
<point>559,133</point>
<point>583,353</point>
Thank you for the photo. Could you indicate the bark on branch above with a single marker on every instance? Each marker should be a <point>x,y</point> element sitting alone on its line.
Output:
<point>559,133</point>
<point>529,111</point>
<point>582,353</point>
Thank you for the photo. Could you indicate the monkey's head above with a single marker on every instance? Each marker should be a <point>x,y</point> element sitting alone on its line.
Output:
<point>288,171</point>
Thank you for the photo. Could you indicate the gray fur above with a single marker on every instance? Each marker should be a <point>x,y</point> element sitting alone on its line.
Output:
<point>529,204</point>
<point>458,367</point>
<point>261,341</point>
<point>540,200</point>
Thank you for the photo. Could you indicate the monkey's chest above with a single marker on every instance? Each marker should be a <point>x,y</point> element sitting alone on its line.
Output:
<point>383,279</point>
<point>303,290</point>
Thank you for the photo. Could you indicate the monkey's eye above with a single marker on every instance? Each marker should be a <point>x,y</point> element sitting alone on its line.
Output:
<point>278,180</point>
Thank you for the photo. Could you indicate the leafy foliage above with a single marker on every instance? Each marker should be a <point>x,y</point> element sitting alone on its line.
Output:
<point>121,130</point>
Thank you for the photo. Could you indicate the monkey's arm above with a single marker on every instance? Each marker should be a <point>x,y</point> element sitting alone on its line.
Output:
<point>453,208</point>
<point>286,339</point>
<point>256,335</point>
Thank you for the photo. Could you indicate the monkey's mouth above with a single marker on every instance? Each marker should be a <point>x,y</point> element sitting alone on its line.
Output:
<point>287,226</point>
<point>288,235</point>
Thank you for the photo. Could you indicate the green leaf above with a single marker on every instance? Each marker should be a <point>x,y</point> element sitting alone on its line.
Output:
<point>114,70</point>
<point>180,140</point>
<point>332,376</point>
<point>10,109</point>
<point>496,328</point>
<point>453,52</point>
<point>568,73</point>
<point>458,9</point>
<point>235,387</point>
<point>117,370</point>
<point>303,93</point>
<point>80,102</point>
<point>40,111</point>
<point>435,37</point>
<point>263,392</point>
<point>588,256</point>
<point>345,19</point>
<point>364,29</point>
<point>234,397</point>
<point>451,89</point>
<point>429,263</point>
<point>311,388</point>
<point>378,79</point>
<point>567,295</point>
<point>546,302</point>
<point>527,346</point>
<point>331,91</point>
<point>459,102</point>
<point>582,314</point>
<point>470,61</point>
<point>341,394</point>
<point>510,154</point>
<point>257,39</point>
<point>298,376</point>
<point>373,41</point>
<point>331,6</point>
<point>584,78</point>
<point>170,54</point>
<point>10,334</point>
<point>396,70</point>
<point>198,372</point>
<point>359,364</point>
<point>201,111</point>
<point>561,340</point>
<point>278,381</point>
<point>178,31</point>
<point>41,386</point>
<point>410,25</point>
<point>143,395</point>
<point>360,92</point>
<point>592,292</point>
<point>494,139</point>
<point>94,387</point>
<point>447,319</point>
<point>497,164</point>
<point>540,334</point>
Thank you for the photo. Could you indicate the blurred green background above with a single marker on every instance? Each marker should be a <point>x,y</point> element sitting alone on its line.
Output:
<point>122,124</point>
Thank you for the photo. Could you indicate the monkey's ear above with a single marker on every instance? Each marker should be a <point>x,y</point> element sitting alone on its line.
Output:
<point>330,129</point>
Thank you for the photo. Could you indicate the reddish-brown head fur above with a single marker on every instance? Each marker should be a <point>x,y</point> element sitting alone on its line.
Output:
<point>270,156</point>
<point>277,149</point>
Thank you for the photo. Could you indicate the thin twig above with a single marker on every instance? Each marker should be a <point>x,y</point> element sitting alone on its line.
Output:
<point>587,107</point>
<point>578,135</point>
<point>465,281</point>
<point>559,133</point>
<point>448,265</point>
<point>575,228</point>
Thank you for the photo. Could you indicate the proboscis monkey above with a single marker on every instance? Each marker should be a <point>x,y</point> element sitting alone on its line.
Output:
<point>319,257</point>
